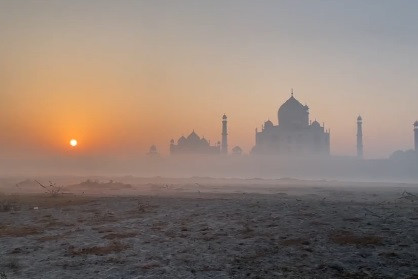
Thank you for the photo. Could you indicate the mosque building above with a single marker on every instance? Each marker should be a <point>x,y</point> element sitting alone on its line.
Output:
<point>294,134</point>
<point>193,144</point>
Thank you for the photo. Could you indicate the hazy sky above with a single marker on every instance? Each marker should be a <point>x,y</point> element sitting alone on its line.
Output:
<point>122,75</point>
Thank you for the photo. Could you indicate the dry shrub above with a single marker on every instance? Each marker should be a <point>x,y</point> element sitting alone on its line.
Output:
<point>8,203</point>
<point>6,231</point>
<point>5,206</point>
<point>348,238</point>
<point>52,189</point>
<point>141,208</point>
<point>112,236</point>
<point>114,247</point>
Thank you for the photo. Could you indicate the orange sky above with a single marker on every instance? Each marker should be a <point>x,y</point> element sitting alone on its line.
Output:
<point>121,76</point>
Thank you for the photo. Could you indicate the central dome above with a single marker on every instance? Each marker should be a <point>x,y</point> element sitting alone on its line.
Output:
<point>292,114</point>
<point>291,103</point>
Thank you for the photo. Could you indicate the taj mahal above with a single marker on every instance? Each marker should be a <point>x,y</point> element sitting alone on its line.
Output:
<point>294,134</point>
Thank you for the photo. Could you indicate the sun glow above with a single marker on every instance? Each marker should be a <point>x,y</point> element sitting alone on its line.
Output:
<point>73,142</point>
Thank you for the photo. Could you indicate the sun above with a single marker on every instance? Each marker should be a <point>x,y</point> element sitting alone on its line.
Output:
<point>73,142</point>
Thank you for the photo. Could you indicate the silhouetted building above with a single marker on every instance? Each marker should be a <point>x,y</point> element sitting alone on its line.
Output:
<point>408,157</point>
<point>153,151</point>
<point>193,144</point>
<point>359,137</point>
<point>236,150</point>
<point>224,146</point>
<point>294,135</point>
<point>416,135</point>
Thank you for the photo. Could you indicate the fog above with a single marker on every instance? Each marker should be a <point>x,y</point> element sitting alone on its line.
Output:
<point>402,169</point>
<point>244,178</point>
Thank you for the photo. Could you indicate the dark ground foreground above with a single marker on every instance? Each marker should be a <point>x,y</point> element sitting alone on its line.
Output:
<point>319,233</point>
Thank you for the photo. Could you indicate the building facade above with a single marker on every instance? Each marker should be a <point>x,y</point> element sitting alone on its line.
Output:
<point>294,134</point>
<point>193,144</point>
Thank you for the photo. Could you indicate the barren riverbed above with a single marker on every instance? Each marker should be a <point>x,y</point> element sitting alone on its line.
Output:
<point>206,232</point>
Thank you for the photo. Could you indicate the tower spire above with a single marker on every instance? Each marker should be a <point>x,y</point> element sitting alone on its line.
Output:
<point>416,135</point>
<point>359,137</point>
<point>224,146</point>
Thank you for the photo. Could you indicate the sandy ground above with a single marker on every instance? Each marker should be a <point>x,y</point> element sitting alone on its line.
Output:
<point>170,231</point>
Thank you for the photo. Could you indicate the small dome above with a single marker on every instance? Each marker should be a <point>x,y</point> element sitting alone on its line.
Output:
<point>236,150</point>
<point>153,149</point>
<point>181,140</point>
<point>268,124</point>
<point>359,118</point>
<point>193,136</point>
<point>204,141</point>
<point>224,117</point>
<point>315,124</point>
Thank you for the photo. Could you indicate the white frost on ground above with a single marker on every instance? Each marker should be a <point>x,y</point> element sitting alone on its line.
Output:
<point>198,232</point>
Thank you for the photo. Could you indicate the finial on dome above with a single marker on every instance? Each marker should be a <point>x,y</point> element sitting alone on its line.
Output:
<point>291,92</point>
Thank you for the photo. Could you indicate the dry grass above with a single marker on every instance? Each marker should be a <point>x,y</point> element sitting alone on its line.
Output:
<point>113,236</point>
<point>348,238</point>
<point>44,201</point>
<point>114,247</point>
<point>353,219</point>
<point>294,242</point>
<point>49,238</point>
<point>103,219</point>
<point>7,231</point>
<point>53,237</point>
<point>103,229</point>
<point>6,206</point>
<point>141,208</point>
<point>151,265</point>
<point>50,222</point>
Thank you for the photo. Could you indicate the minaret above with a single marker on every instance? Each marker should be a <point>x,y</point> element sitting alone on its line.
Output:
<point>416,135</point>
<point>224,146</point>
<point>359,137</point>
